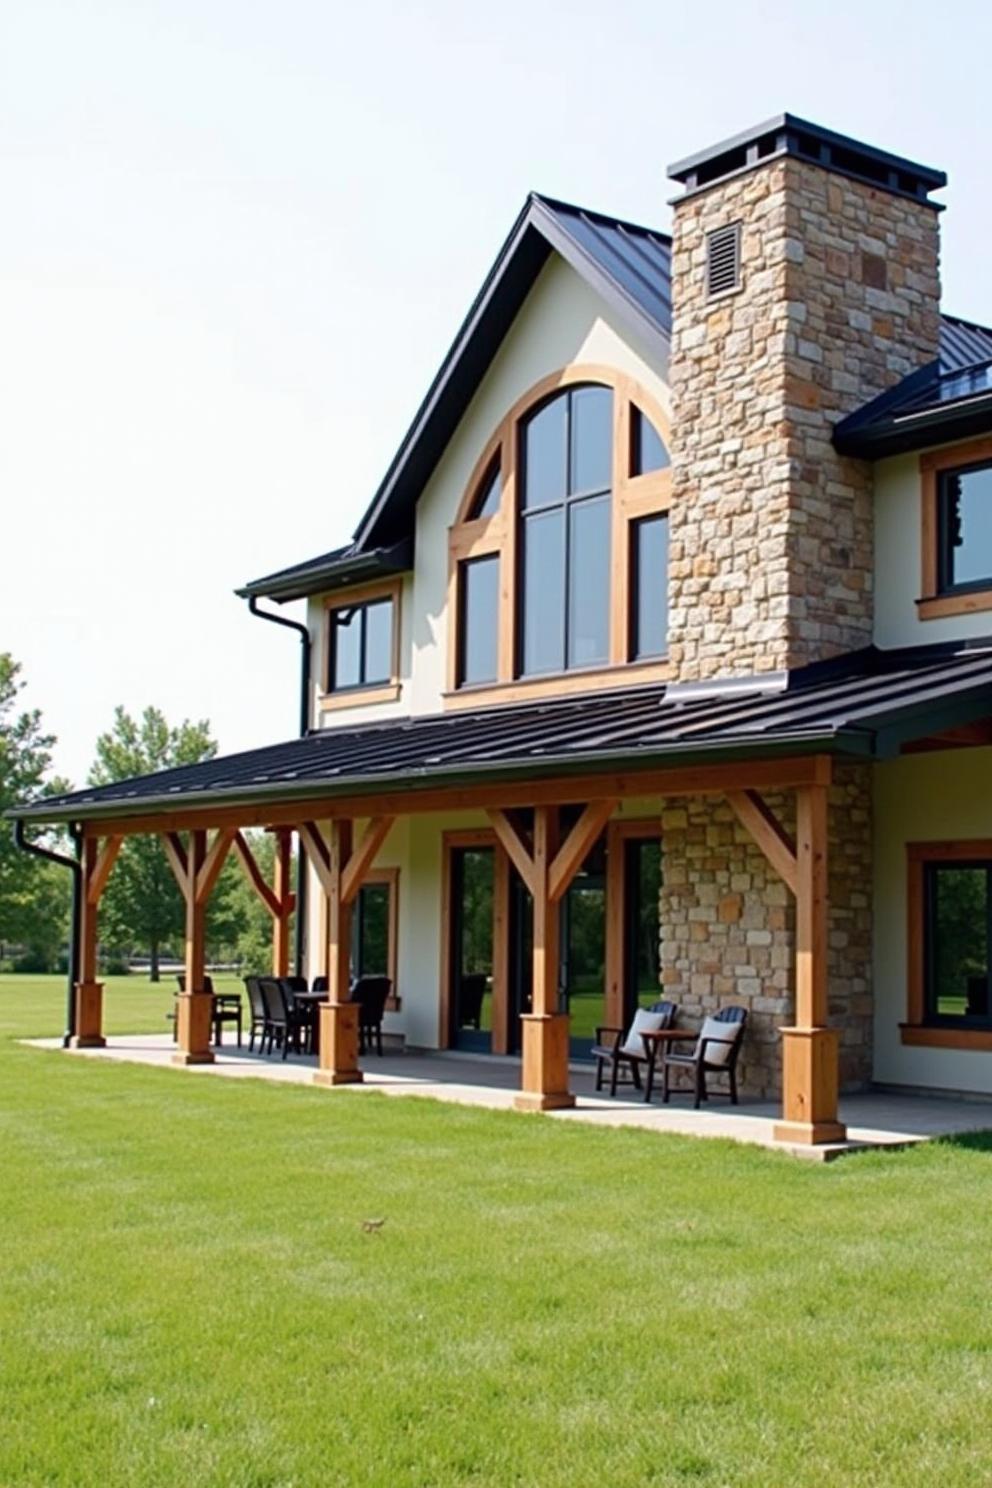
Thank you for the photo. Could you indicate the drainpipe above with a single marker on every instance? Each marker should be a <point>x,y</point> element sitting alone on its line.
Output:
<point>303,632</point>
<point>76,867</point>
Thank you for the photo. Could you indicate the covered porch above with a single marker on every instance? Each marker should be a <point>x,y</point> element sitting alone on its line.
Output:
<point>871,1120</point>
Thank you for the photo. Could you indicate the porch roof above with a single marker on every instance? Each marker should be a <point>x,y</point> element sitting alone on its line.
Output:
<point>865,705</point>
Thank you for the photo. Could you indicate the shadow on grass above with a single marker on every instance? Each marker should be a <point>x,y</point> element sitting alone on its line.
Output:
<point>976,1141</point>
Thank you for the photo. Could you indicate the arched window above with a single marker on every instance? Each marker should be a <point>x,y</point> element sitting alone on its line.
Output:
<point>559,554</point>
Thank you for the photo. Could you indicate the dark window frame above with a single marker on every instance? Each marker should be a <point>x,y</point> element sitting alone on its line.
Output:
<point>931,1017</point>
<point>945,548</point>
<point>464,564</point>
<point>568,500</point>
<point>634,590</point>
<point>362,606</point>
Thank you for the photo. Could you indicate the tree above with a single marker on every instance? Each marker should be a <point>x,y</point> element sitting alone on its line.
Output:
<point>34,896</point>
<point>141,905</point>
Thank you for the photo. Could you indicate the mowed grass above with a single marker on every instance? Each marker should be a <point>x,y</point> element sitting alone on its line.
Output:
<point>189,1297</point>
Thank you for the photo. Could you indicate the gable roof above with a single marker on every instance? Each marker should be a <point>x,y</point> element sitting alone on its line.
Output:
<point>949,398</point>
<point>864,705</point>
<point>628,265</point>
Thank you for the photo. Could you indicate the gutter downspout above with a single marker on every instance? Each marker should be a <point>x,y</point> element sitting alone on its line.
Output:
<point>303,631</point>
<point>76,867</point>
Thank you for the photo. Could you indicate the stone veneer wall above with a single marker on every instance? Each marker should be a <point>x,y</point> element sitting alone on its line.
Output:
<point>771,531</point>
<point>728,926</point>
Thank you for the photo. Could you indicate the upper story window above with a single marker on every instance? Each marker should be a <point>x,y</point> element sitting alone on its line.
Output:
<point>956,492</point>
<point>362,649</point>
<point>559,555</point>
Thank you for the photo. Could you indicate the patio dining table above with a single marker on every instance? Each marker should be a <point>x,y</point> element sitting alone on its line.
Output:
<point>312,1000</point>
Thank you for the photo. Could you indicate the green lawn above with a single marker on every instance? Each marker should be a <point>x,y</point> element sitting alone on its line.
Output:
<point>188,1296</point>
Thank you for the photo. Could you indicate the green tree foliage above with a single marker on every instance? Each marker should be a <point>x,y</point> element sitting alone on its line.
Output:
<point>34,896</point>
<point>141,905</point>
<point>252,946</point>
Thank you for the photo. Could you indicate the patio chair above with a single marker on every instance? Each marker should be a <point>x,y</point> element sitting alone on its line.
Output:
<point>283,1024</point>
<point>715,1052</point>
<point>302,1013</point>
<point>256,1005</point>
<point>471,994</point>
<point>319,984</point>
<point>371,993</point>
<point>625,1056</point>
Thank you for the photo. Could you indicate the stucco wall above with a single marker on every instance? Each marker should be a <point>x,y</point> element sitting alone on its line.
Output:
<point>920,798</point>
<point>898,560</point>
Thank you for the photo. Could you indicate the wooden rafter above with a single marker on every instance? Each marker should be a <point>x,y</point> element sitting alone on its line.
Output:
<point>757,818</point>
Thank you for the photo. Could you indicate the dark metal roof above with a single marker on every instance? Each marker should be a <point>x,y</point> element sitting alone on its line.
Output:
<point>865,705</point>
<point>348,565</point>
<point>950,398</point>
<point>786,134</point>
<point>629,266</point>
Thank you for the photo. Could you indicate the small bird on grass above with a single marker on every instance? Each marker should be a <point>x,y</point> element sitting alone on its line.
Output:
<point>370,1226</point>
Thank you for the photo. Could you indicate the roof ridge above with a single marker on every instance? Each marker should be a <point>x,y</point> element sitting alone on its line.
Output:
<point>558,204</point>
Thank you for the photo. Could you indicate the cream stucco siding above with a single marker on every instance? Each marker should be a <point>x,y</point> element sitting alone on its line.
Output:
<point>898,563</point>
<point>561,322</point>
<point>921,798</point>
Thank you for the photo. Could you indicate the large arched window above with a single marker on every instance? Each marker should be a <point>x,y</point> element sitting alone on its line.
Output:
<point>559,554</point>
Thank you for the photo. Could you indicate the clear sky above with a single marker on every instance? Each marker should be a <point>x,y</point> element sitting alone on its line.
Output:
<point>238,237</point>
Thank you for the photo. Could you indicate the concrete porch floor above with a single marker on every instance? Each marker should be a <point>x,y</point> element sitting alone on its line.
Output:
<point>874,1119</point>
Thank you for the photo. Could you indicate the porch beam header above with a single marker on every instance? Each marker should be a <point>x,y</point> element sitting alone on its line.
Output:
<point>789,772</point>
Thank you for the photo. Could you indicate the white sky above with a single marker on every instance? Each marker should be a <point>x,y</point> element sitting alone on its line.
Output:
<point>238,237</point>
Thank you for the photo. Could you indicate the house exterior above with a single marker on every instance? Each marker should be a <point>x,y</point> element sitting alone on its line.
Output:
<point>659,664</point>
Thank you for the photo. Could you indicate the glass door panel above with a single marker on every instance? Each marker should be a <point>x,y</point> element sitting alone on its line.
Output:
<point>642,932</point>
<point>472,872</point>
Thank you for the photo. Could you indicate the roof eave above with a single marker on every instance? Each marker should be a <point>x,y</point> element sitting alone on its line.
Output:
<point>377,562</point>
<point>940,424</point>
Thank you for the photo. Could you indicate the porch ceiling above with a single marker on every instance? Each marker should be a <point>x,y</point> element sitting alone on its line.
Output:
<point>867,705</point>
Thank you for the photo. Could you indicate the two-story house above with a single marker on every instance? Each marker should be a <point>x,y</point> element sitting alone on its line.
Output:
<point>660,659</point>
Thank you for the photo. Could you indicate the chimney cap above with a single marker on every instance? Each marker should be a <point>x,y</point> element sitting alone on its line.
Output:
<point>787,134</point>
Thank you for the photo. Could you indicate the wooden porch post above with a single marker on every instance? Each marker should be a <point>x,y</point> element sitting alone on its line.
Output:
<point>194,1006</point>
<point>338,1015</point>
<point>283,888</point>
<point>89,992</point>
<point>544,1086</point>
<point>810,1053</point>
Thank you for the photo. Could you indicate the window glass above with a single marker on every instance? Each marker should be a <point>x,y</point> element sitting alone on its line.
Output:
<point>958,941</point>
<point>378,641</point>
<point>591,439</point>
<point>641,902</point>
<point>647,448</point>
<point>544,451</point>
<point>649,559</point>
<point>490,493</point>
<point>347,647</point>
<point>543,598</point>
<point>370,932</point>
<point>479,619</point>
<point>966,527</point>
<point>589,582</point>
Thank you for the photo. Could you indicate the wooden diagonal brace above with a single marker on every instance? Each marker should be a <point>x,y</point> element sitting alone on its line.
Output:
<point>175,853</point>
<point>96,881</point>
<point>254,874</point>
<point>576,847</point>
<point>212,864</point>
<point>513,846</point>
<point>778,847</point>
<point>363,857</point>
<point>320,859</point>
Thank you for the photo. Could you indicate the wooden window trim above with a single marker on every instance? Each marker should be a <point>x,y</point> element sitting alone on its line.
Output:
<point>375,692</point>
<point>932,605</point>
<point>634,497</point>
<point>915,1030</point>
<point>619,832</point>
<point>391,878</point>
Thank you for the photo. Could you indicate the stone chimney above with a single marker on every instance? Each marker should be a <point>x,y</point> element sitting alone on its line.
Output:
<point>804,283</point>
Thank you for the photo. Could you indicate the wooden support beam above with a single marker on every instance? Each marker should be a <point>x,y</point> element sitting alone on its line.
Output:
<point>338,1015</point>
<point>194,1005</point>
<point>285,899</point>
<point>96,881</point>
<point>577,846</point>
<point>544,1084</point>
<point>757,818</point>
<point>213,862</point>
<point>89,992</point>
<point>361,860</point>
<point>254,874</point>
<point>787,773</point>
<point>810,1054</point>
<point>514,847</point>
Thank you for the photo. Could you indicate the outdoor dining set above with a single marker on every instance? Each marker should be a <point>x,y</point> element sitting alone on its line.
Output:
<point>284,1012</point>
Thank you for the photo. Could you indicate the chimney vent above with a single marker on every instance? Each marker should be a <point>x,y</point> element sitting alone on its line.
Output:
<point>723,260</point>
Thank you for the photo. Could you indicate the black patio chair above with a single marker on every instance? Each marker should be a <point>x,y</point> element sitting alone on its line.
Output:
<point>319,984</point>
<point>471,995</point>
<point>256,1006</point>
<point>302,1014</point>
<point>715,1052</point>
<point>625,1056</point>
<point>371,993</point>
